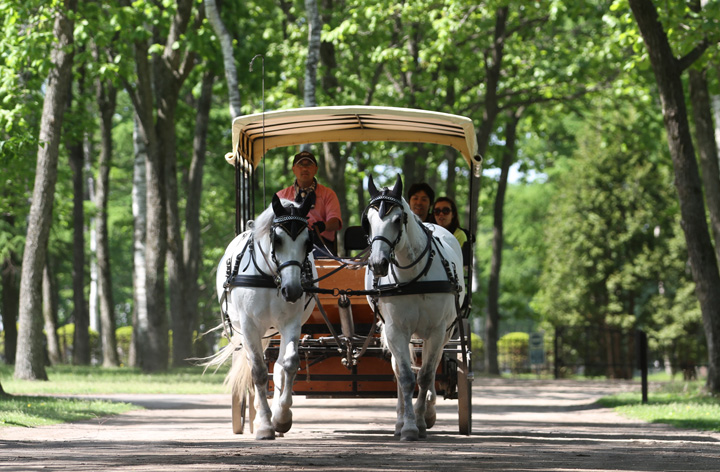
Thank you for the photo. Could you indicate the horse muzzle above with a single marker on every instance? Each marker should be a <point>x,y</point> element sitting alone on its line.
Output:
<point>379,264</point>
<point>291,292</point>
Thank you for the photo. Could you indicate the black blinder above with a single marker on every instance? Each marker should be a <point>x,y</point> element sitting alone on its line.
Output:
<point>291,224</point>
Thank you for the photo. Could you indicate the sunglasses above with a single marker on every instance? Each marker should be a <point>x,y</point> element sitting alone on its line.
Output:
<point>444,211</point>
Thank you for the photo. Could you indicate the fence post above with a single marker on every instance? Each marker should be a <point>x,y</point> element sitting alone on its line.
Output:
<point>556,352</point>
<point>642,346</point>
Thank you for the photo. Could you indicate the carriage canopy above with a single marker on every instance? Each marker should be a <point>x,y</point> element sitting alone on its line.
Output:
<point>254,135</point>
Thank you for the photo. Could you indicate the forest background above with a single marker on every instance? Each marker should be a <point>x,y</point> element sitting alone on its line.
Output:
<point>597,121</point>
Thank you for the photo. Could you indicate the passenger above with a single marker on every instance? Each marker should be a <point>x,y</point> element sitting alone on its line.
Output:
<point>446,215</point>
<point>324,217</point>
<point>420,199</point>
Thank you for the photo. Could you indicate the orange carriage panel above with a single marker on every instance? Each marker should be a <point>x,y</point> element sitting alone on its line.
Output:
<point>344,279</point>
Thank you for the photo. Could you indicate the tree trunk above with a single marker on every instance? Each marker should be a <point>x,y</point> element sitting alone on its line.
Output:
<point>159,83</point>
<point>183,330</point>
<point>50,308</point>
<point>226,46</point>
<point>139,191</point>
<point>707,148</point>
<point>313,55</point>
<point>492,323</point>
<point>493,66</point>
<point>81,341</point>
<point>106,94</point>
<point>10,273</point>
<point>30,354</point>
<point>93,314</point>
<point>152,336</point>
<point>169,75</point>
<point>687,180</point>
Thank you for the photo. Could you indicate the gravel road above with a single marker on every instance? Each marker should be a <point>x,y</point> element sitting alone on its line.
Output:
<point>517,425</point>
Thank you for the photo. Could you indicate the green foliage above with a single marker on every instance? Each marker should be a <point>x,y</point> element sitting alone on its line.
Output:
<point>513,349</point>
<point>580,240</point>
<point>610,226</point>
<point>66,337</point>
<point>123,337</point>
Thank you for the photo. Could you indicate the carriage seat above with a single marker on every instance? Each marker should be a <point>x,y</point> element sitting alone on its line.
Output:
<point>355,238</point>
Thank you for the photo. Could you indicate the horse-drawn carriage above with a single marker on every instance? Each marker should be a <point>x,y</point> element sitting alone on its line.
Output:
<point>316,323</point>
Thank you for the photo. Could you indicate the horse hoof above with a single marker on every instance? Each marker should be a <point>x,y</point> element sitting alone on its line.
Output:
<point>422,433</point>
<point>410,435</point>
<point>282,427</point>
<point>265,434</point>
<point>430,420</point>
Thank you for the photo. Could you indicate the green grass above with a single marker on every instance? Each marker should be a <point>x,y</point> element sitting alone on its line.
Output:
<point>30,403</point>
<point>83,380</point>
<point>680,404</point>
<point>29,411</point>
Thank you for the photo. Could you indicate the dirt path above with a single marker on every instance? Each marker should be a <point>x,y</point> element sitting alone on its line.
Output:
<point>517,425</point>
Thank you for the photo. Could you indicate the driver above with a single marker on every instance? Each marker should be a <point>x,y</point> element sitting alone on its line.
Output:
<point>324,217</point>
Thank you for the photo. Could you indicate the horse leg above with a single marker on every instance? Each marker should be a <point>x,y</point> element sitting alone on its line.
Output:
<point>284,374</point>
<point>427,397</point>
<point>400,410</point>
<point>259,372</point>
<point>406,386</point>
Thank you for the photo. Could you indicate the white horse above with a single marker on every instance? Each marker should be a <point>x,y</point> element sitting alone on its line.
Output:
<point>259,284</point>
<point>417,269</point>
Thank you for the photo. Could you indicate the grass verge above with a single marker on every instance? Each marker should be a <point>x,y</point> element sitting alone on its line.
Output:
<point>29,411</point>
<point>30,403</point>
<point>84,380</point>
<point>680,404</point>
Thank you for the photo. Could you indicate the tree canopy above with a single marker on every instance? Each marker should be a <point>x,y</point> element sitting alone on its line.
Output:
<point>594,205</point>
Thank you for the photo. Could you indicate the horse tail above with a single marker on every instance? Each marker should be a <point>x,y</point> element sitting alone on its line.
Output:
<point>220,357</point>
<point>240,376</point>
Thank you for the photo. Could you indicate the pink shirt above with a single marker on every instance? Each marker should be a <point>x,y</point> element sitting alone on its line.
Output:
<point>326,206</point>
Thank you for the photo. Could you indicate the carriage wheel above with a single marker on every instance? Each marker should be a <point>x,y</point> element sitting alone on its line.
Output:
<point>239,407</point>
<point>239,404</point>
<point>464,386</point>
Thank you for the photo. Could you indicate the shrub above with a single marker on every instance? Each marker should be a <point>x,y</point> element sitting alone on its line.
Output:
<point>123,337</point>
<point>66,338</point>
<point>513,353</point>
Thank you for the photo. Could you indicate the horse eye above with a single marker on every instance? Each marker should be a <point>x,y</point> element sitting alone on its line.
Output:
<point>397,218</point>
<point>278,241</point>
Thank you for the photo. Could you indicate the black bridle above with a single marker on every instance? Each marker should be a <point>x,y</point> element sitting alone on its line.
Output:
<point>293,225</point>
<point>383,204</point>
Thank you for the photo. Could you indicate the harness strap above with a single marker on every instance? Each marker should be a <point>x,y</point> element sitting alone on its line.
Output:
<point>416,288</point>
<point>254,281</point>
<point>327,321</point>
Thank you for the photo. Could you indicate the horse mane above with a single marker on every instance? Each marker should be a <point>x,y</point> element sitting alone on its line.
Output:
<point>414,230</point>
<point>263,223</point>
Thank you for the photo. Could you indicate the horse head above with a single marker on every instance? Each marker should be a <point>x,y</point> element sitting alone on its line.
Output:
<point>290,244</point>
<point>383,223</point>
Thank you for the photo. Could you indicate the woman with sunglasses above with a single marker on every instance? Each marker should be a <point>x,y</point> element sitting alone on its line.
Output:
<point>446,215</point>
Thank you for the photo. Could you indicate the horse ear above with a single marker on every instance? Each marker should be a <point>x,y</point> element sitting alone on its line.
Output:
<point>397,189</point>
<point>307,204</point>
<point>278,207</point>
<point>371,187</point>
